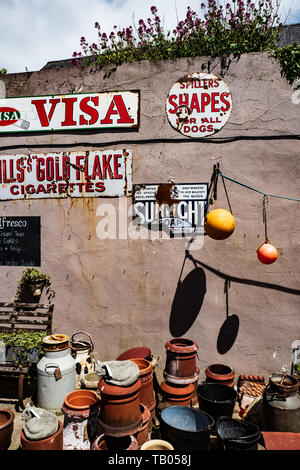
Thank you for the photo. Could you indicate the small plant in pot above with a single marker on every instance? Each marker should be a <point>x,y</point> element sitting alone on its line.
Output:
<point>23,347</point>
<point>31,286</point>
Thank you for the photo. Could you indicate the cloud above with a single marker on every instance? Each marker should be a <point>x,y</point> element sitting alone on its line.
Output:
<point>34,32</point>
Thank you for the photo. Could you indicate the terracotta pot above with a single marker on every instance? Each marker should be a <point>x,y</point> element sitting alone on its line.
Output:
<point>104,442</point>
<point>157,444</point>
<point>120,413</point>
<point>81,399</point>
<point>180,395</point>
<point>181,361</point>
<point>220,373</point>
<point>142,434</point>
<point>54,442</point>
<point>144,353</point>
<point>147,397</point>
<point>6,428</point>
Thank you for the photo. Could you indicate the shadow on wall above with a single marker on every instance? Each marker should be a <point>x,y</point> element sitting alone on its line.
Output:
<point>187,302</point>
<point>189,298</point>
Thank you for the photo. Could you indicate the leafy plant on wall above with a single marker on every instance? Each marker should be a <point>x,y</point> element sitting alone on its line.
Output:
<point>238,27</point>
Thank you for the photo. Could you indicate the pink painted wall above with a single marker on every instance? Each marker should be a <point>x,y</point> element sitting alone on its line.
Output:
<point>121,291</point>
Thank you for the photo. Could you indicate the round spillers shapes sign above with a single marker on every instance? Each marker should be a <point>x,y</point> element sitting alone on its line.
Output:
<point>199,105</point>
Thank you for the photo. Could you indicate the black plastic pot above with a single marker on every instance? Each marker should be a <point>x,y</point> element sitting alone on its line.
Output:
<point>234,434</point>
<point>186,428</point>
<point>216,399</point>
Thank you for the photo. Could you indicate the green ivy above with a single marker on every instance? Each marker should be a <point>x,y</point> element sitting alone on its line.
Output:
<point>289,58</point>
<point>3,70</point>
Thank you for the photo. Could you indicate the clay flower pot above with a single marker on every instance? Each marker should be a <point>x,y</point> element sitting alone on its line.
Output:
<point>220,373</point>
<point>180,395</point>
<point>6,428</point>
<point>81,399</point>
<point>54,442</point>
<point>120,413</point>
<point>180,364</point>
<point>142,434</point>
<point>147,397</point>
<point>143,352</point>
<point>104,442</point>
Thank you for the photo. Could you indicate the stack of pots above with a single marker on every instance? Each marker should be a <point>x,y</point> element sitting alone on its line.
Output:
<point>121,416</point>
<point>181,373</point>
<point>80,410</point>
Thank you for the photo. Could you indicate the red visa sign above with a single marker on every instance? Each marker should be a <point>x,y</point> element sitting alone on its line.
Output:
<point>70,112</point>
<point>199,105</point>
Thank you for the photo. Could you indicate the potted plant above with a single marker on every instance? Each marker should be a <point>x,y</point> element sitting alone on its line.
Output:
<point>23,347</point>
<point>31,285</point>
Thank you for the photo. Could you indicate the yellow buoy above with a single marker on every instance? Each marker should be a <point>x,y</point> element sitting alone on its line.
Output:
<point>219,224</point>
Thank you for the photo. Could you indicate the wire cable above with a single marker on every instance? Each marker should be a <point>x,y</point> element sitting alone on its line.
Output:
<point>258,190</point>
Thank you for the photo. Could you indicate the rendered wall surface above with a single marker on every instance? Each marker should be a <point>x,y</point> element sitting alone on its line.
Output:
<point>122,291</point>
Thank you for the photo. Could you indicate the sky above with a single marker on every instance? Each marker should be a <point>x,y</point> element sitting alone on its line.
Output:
<point>34,32</point>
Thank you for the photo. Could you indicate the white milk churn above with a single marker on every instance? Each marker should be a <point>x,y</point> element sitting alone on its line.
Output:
<point>82,351</point>
<point>56,372</point>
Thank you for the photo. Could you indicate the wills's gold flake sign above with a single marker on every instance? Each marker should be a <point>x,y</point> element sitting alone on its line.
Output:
<point>66,174</point>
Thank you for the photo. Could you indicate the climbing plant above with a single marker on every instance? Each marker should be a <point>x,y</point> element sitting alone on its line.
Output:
<point>289,58</point>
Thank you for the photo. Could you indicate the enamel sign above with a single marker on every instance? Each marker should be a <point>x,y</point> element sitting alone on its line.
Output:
<point>70,112</point>
<point>66,174</point>
<point>199,105</point>
<point>174,208</point>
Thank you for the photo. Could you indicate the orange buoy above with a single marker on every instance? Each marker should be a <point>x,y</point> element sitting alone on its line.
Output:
<point>267,253</point>
<point>219,224</point>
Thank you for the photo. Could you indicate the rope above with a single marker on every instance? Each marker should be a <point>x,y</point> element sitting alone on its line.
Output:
<point>225,189</point>
<point>257,190</point>
<point>265,200</point>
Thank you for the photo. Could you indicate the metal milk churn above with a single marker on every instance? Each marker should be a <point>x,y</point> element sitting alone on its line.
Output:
<point>81,351</point>
<point>56,372</point>
<point>281,404</point>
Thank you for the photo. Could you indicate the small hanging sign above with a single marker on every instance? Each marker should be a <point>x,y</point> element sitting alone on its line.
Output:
<point>199,105</point>
<point>174,208</point>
